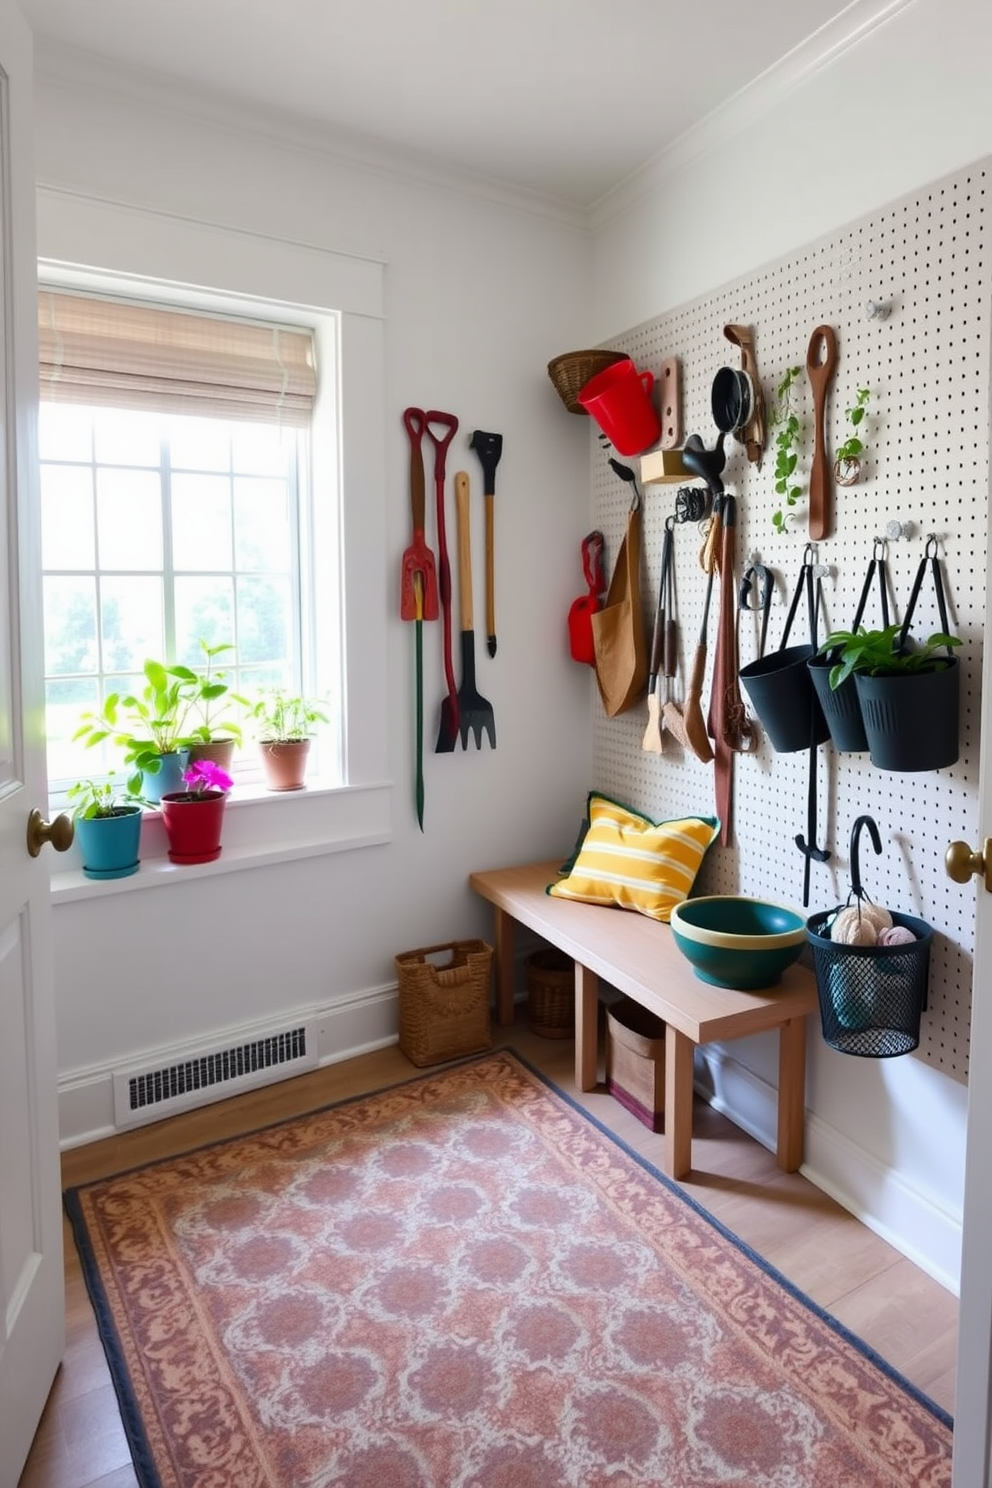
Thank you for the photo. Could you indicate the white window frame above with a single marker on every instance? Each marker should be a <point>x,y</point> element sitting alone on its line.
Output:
<point>154,256</point>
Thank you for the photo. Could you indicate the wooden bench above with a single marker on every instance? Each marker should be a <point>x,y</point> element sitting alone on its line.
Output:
<point>638,956</point>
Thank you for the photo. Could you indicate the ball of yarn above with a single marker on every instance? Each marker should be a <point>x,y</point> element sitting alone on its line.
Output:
<point>852,928</point>
<point>875,915</point>
<point>895,935</point>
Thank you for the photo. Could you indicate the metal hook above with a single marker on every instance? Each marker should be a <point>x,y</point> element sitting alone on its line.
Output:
<point>876,842</point>
<point>933,552</point>
<point>809,555</point>
<point>878,542</point>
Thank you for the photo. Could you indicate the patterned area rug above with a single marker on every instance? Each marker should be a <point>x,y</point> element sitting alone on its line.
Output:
<point>465,1282</point>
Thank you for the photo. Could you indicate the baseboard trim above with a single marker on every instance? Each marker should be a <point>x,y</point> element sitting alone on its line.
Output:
<point>354,1025</point>
<point>907,1219</point>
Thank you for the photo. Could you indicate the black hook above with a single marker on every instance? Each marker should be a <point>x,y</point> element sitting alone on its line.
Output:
<point>876,842</point>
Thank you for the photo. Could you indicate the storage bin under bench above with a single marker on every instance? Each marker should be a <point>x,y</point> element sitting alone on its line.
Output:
<point>639,957</point>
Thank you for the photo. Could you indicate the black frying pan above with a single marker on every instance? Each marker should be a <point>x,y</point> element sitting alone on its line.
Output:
<point>732,399</point>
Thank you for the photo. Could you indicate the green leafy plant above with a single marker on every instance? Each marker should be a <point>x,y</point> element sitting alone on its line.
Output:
<point>283,717</point>
<point>145,724</point>
<point>212,699</point>
<point>783,417</point>
<point>853,447</point>
<point>879,653</point>
<point>100,798</point>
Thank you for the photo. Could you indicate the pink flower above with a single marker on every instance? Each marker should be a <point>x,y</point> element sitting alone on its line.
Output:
<point>204,775</point>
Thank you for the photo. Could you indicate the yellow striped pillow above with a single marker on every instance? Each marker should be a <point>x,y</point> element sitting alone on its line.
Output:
<point>628,860</point>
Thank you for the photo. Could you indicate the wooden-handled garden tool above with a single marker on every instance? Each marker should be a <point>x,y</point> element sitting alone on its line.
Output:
<point>821,359</point>
<point>489,447</point>
<point>474,712</point>
<point>448,728</point>
<point>418,583</point>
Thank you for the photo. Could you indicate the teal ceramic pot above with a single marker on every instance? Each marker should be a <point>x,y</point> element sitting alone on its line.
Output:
<point>169,776</point>
<point>731,940</point>
<point>109,844</point>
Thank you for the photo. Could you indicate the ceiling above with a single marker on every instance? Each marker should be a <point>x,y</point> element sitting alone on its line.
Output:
<point>564,98</point>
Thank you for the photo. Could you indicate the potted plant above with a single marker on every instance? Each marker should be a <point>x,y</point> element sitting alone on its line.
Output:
<point>150,726</point>
<point>108,827</point>
<point>907,693</point>
<point>194,817</point>
<point>217,731</point>
<point>286,722</point>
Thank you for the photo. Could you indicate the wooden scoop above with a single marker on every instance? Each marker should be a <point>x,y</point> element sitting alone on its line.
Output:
<point>821,359</point>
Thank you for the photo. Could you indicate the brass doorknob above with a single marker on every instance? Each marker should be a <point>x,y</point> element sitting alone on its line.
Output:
<point>59,833</point>
<point>961,862</point>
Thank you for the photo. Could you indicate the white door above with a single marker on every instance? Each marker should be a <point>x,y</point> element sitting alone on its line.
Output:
<point>973,1396</point>
<point>32,1297</point>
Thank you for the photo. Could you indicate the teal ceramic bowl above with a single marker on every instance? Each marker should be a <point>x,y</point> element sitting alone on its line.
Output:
<point>732,940</point>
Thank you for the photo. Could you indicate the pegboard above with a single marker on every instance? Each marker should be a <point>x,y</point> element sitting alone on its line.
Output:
<point>925,470</point>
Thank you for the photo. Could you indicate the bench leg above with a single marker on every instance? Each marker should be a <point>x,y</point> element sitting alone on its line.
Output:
<point>678,1103</point>
<point>505,967</point>
<point>586,1028</point>
<point>791,1094</point>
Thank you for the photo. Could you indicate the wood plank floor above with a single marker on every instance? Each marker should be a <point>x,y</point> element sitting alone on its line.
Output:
<point>909,1319</point>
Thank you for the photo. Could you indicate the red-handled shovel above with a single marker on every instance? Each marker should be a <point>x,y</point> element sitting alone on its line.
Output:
<point>418,582</point>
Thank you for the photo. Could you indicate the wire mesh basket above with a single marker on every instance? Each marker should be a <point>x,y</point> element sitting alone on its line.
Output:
<point>871,997</point>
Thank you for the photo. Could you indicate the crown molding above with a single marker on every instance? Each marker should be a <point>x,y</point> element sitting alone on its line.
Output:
<point>74,70</point>
<point>724,124</point>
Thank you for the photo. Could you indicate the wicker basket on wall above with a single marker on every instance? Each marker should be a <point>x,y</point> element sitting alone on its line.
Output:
<point>444,997</point>
<point>551,993</point>
<point>573,369</point>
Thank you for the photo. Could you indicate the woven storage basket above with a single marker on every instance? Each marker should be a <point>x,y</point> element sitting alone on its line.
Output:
<point>444,1005</point>
<point>551,994</point>
<point>573,369</point>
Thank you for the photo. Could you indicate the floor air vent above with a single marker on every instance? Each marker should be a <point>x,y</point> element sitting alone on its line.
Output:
<point>149,1094</point>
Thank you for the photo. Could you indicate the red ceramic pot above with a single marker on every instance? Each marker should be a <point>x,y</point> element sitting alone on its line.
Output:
<point>193,824</point>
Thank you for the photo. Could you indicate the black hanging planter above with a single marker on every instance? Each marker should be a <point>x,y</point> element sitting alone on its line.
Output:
<point>841,706</point>
<point>911,721</point>
<point>779,684</point>
<point>872,997</point>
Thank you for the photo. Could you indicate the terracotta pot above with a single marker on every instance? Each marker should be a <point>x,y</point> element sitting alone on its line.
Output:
<point>219,751</point>
<point>193,825</point>
<point>285,763</point>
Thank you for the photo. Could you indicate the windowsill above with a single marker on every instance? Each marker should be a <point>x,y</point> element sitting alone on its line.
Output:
<point>261,827</point>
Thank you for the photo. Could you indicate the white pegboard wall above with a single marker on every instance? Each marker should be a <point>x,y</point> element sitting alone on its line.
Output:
<point>926,464</point>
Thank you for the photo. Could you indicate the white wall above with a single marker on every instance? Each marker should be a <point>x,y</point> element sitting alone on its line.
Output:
<point>479,296</point>
<point>907,105</point>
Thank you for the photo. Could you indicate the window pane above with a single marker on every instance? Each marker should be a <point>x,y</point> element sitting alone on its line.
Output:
<point>64,433</point>
<point>199,444</point>
<point>126,438</point>
<point>65,702</point>
<point>262,528</point>
<point>70,626</point>
<point>129,519</point>
<point>201,522</point>
<point>68,539</point>
<point>264,621</point>
<point>131,624</point>
<point>261,449</point>
<point>204,611</point>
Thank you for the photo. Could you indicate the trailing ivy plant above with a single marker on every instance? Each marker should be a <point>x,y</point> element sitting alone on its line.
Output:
<point>785,420</point>
<point>847,459</point>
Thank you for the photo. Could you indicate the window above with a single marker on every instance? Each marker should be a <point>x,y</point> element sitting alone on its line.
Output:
<point>175,484</point>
